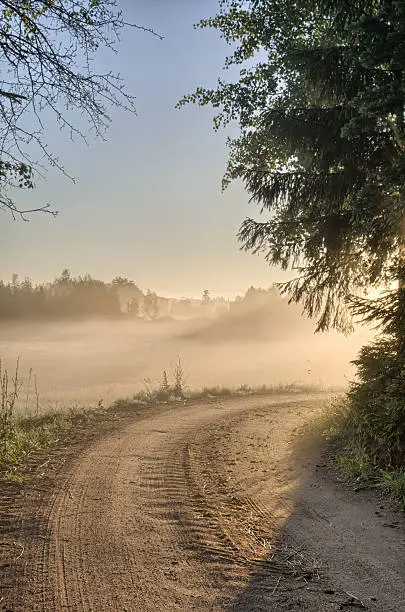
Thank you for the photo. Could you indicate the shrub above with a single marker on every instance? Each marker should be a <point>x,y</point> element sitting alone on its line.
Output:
<point>375,421</point>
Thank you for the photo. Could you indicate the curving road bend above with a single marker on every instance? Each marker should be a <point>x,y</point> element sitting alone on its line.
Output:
<point>208,506</point>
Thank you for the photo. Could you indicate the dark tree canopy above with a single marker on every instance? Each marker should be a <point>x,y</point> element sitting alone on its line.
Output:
<point>46,52</point>
<point>322,142</point>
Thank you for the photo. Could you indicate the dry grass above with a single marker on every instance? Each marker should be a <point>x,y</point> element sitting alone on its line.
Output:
<point>34,427</point>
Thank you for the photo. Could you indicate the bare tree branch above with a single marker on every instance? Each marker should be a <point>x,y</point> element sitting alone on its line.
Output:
<point>47,49</point>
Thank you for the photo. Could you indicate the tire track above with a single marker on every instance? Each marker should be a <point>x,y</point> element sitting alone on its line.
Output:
<point>177,511</point>
<point>113,528</point>
<point>225,527</point>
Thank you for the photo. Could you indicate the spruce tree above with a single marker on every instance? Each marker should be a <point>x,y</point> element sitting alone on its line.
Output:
<point>321,151</point>
<point>321,148</point>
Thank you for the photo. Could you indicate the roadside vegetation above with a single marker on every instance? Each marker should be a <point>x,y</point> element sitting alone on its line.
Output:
<point>25,428</point>
<point>338,426</point>
<point>22,433</point>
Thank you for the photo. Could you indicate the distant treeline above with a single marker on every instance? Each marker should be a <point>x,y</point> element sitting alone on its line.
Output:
<point>66,296</point>
<point>84,297</point>
<point>69,297</point>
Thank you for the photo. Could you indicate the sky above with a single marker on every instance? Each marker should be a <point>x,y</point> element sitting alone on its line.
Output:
<point>146,203</point>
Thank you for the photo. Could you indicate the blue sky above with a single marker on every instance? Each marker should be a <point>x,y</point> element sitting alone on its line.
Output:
<point>147,203</point>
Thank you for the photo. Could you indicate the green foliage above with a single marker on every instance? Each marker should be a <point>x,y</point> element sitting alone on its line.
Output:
<point>34,433</point>
<point>394,482</point>
<point>355,466</point>
<point>9,389</point>
<point>25,438</point>
<point>321,148</point>
<point>336,424</point>
<point>368,475</point>
<point>387,312</point>
<point>321,151</point>
<point>20,436</point>
<point>376,403</point>
<point>47,48</point>
<point>17,436</point>
<point>367,428</point>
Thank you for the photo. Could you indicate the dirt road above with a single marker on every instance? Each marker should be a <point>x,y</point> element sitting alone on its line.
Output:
<point>210,506</point>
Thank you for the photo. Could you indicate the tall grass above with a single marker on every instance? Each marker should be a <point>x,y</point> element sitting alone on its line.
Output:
<point>9,389</point>
<point>22,432</point>
<point>349,453</point>
<point>174,388</point>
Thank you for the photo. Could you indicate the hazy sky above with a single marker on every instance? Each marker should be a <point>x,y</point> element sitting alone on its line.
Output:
<point>147,203</point>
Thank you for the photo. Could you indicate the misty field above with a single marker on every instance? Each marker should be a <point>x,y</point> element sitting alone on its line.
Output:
<point>81,363</point>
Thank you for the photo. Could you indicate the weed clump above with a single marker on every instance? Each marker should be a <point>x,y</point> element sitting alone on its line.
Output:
<point>167,390</point>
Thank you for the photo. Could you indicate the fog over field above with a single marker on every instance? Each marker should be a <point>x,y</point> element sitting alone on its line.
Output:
<point>82,362</point>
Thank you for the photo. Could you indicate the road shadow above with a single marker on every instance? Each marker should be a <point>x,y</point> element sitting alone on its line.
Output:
<point>343,547</point>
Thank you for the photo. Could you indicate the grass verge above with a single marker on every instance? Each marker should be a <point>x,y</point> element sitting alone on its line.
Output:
<point>334,425</point>
<point>169,394</point>
<point>25,435</point>
<point>21,436</point>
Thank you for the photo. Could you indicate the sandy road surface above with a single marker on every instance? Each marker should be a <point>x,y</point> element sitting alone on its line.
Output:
<point>211,506</point>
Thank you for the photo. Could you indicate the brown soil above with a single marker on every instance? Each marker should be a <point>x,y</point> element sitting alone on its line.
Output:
<point>206,506</point>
